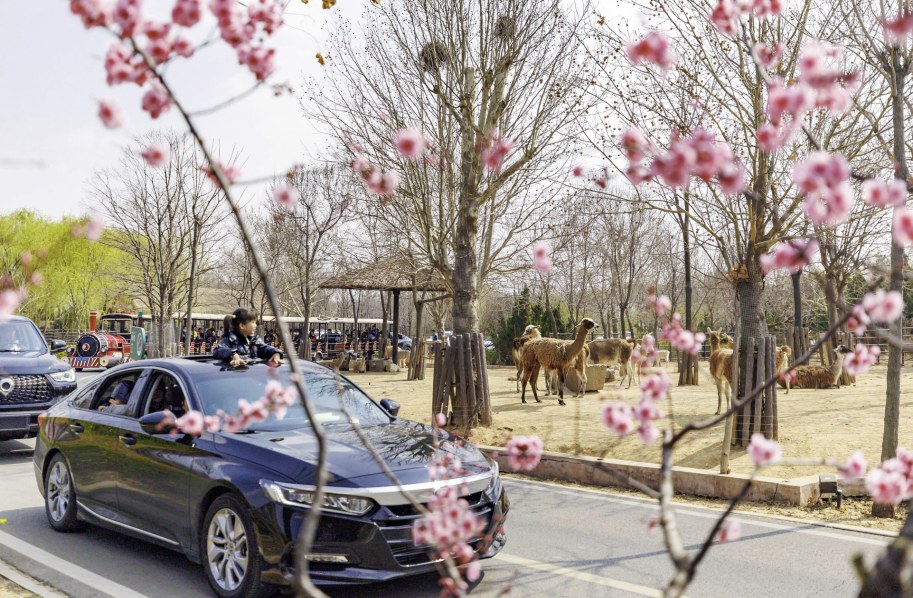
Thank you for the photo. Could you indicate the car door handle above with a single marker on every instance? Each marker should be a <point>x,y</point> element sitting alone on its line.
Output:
<point>128,439</point>
<point>77,428</point>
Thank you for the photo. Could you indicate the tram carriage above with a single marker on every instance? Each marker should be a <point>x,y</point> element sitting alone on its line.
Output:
<point>109,343</point>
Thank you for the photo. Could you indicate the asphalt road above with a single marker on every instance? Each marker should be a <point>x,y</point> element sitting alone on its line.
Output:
<point>562,542</point>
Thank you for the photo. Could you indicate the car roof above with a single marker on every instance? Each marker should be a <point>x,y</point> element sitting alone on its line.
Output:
<point>203,364</point>
<point>15,319</point>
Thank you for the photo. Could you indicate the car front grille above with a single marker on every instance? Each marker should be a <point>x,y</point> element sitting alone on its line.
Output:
<point>27,389</point>
<point>397,530</point>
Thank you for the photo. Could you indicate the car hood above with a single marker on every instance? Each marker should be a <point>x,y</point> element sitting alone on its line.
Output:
<point>30,362</point>
<point>406,447</point>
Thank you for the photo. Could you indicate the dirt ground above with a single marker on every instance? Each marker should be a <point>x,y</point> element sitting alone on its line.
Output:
<point>813,423</point>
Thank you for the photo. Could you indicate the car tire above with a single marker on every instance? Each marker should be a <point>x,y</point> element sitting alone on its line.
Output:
<point>229,550</point>
<point>60,496</point>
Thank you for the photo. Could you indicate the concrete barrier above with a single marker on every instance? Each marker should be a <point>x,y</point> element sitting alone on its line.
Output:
<point>802,491</point>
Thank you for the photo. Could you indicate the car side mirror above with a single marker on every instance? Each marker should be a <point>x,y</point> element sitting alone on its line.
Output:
<point>58,345</point>
<point>390,406</point>
<point>157,423</point>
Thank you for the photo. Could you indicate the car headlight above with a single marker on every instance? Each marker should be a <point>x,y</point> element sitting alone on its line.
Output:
<point>66,376</point>
<point>495,471</point>
<point>304,497</point>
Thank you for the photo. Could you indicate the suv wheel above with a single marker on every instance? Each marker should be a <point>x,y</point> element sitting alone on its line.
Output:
<point>60,496</point>
<point>231,557</point>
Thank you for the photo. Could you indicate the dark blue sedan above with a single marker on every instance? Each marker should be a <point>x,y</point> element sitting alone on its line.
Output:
<point>236,502</point>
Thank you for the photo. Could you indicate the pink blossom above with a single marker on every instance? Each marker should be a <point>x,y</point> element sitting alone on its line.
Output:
<point>725,17</point>
<point>829,206</point>
<point>440,420</point>
<point>887,486</point>
<point>258,60</point>
<point>770,138</point>
<point>110,114</point>
<point>191,423</point>
<point>157,154</point>
<point>854,467</point>
<point>267,12</point>
<point>676,165</point>
<point>94,226</point>
<point>10,299</point>
<point>660,304</point>
<point>902,230</point>
<point>473,570</point>
<point>182,47</point>
<point>577,171</point>
<point>286,196</point>
<point>655,387</point>
<point>156,100</point>
<point>122,66</point>
<point>524,452</point>
<point>732,531</point>
<point>542,257</point>
<point>732,178</point>
<point>159,50</point>
<point>155,31</point>
<point>822,177</point>
<point>884,195</point>
<point>410,143</point>
<point>618,417</point>
<point>858,322</point>
<point>790,256</point>
<point>791,101</point>
<point>186,13</point>
<point>861,359</point>
<point>382,184</point>
<point>231,173</point>
<point>212,423</point>
<point>763,451</point>
<point>496,149</point>
<point>648,432</point>
<point>883,306</point>
<point>681,339</point>
<point>898,30</point>
<point>767,8</point>
<point>634,145</point>
<point>94,13</point>
<point>653,48</point>
<point>767,55</point>
<point>637,174</point>
<point>127,16</point>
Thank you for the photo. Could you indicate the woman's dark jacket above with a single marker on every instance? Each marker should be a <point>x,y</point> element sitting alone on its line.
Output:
<point>246,348</point>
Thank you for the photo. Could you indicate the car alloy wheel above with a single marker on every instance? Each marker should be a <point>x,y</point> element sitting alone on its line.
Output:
<point>60,496</point>
<point>227,549</point>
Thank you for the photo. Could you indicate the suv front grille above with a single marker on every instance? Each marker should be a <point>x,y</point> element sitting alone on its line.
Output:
<point>27,389</point>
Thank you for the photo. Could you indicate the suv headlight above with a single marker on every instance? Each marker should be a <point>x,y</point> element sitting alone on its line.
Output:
<point>66,376</point>
<point>304,497</point>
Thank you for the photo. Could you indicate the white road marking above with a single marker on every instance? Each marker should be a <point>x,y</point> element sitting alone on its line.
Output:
<point>93,580</point>
<point>27,583</point>
<point>608,582</point>
<point>713,514</point>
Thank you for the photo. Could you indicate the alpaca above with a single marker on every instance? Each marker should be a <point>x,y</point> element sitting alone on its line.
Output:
<point>555,355</point>
<point>610,351</point>
<point>333,364</point>
<point>579,364</point>
<point>818,376</point>
<point>360,367</point>
<point>662,357</point>
<point>721,365</point>
<point>347,362</point>
<point>402,358</point>
<point>516,350</point>
<point>782,362</point>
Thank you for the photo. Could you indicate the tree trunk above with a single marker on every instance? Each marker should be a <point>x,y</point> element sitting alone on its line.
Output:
<point>797,300</point>
<point>897,73</point>
<point>687,366</point>
<point>830,298</point>
<point>190,288</point>
<point>550,312</point>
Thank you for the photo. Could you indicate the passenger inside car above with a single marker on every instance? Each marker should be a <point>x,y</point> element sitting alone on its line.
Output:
<point>116,403</point>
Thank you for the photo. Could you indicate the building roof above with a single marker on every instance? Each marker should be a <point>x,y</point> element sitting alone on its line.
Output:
<point>391,275</point>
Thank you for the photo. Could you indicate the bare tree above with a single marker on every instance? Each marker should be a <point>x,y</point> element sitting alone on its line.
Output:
<point>156,212</point>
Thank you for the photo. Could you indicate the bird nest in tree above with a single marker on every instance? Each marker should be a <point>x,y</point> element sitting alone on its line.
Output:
<point>505,27</point>
<point>434,56</point>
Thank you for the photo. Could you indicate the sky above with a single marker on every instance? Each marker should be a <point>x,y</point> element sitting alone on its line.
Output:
<point>52,76</point>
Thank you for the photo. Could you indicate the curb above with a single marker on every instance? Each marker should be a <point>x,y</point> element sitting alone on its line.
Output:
<point>28,584</point>
<point>800,492</point>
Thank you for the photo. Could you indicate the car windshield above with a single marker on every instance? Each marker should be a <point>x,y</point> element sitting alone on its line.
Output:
<point>224,388</point>
<point>20,335</point>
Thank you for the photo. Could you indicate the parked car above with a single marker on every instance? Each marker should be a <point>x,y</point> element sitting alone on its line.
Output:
<point>489,345</point>
<point>404,342</point>
<point>32,379</point>
<point>250,491</point>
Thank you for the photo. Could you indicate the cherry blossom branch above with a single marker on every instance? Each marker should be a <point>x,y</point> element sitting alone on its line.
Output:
<point>228,102</point>
<point>309,528</point>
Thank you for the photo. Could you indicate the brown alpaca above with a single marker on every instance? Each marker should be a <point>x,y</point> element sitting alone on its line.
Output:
<point>818,376</point>
<point>516,350</point>
<point>721,365</point>
<point>783,354</point>
<point>610,351</point>
<point>347,361</point>
<point>553,354</point>
<point>333,364</point>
